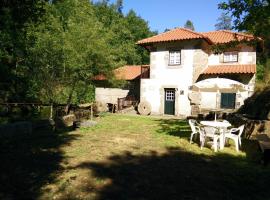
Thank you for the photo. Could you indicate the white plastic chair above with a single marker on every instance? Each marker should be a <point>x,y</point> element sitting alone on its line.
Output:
<point>235,137</point>
<point>212,133</point>
<point>195,129</point>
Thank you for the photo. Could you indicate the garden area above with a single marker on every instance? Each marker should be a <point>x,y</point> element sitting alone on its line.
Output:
<point>128,157</point>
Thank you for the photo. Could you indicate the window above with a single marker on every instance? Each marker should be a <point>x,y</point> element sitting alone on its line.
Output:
<point>169,95</point>
<point>230,57</point>
<point>228,100</point>
<point>174,57</point>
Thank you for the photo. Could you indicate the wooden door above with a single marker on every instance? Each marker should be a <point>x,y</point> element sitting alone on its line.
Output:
<point>169,102</point>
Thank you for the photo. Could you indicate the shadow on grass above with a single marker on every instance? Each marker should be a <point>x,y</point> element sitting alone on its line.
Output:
<point>29,162</point>
<point>178,174</point>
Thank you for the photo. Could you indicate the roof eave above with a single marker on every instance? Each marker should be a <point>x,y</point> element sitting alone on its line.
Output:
<point>143,44</point>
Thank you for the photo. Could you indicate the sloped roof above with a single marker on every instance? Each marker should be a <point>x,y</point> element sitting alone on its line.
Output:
<point>173,35</point>
<point>225,36</point>
<point>127,72</point>
<point>230,69</point>
<point>214,37</point>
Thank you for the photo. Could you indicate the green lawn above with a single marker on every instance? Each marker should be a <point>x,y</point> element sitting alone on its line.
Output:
<point>128,157</point>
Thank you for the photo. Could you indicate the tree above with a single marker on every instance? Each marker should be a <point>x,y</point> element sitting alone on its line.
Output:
<point>166,30</point>
<point>189,25</point>
<point>224,22</point>
<point>14,73</point>
<point>125,31</point>
<point>139,30</point>
<point>50,50</point>
<point>119,6</point>
<point>70,47</point>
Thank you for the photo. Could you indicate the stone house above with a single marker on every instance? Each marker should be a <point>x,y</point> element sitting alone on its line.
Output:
<point>181,58</point>
<point>105,93</point>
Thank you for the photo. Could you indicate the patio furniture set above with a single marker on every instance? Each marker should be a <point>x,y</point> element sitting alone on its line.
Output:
<point>217,132</point>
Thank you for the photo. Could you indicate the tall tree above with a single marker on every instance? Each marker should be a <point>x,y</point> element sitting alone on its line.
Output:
<point>49,50</point>
<point>14,73</point>
<point>70,46</point>
<point>119,6</point>
<point>139,29</point>
<point>189,25</point>
<point>125,31</point>
<point>224,22</point>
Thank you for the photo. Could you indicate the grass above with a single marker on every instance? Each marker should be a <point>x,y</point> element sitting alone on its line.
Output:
<point>128,157</point>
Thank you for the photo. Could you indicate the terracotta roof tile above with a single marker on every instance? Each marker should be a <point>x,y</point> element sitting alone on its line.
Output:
<point>214,37</point>
<point>128,72</point>
<point>225,36</point>
<point>173,35</point>
<point>230,69</point>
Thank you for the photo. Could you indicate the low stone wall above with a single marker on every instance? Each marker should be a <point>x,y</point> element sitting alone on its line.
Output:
<point>109,95</point>
<point>252,127</point>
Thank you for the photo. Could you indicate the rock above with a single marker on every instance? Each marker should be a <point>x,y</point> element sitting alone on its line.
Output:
<point>66,120</point>
<point>100,107</point>
<point>195,109</point>
<point>86,124</point>
<point>85,105</point>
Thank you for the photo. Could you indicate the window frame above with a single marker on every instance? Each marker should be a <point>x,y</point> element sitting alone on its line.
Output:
<point>175,59</point>
<point>228,95</point>
<point>231,54</point>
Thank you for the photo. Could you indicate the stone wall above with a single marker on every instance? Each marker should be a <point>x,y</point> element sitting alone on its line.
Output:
<point>109,95</point>
<point>200,63</point>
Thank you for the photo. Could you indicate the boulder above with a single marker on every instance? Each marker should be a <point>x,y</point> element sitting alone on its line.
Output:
<point>65,121</point>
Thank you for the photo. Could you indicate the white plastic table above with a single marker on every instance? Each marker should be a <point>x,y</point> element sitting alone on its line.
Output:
<point>222,126</point>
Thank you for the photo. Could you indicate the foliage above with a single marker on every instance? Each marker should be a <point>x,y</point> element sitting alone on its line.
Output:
<point>166,30</point>
<point>50,50</point>
<point>224,22</point>
<point>124,39</point>
<point>69,47</point>
<point>14,73</point>
<point>189,25</point>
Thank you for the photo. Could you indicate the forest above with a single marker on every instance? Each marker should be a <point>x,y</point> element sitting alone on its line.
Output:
<point>51,50</point>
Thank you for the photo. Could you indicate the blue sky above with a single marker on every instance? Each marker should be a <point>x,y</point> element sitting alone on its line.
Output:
<point>162,14</point>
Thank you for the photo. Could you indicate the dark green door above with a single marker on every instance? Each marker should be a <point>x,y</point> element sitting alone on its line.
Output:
<point>169,102</point>
<point>228,100</point>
